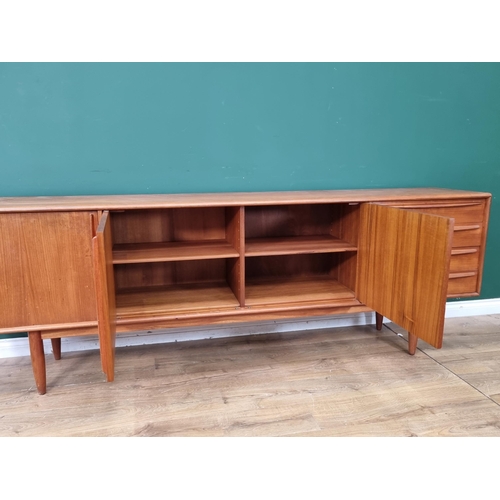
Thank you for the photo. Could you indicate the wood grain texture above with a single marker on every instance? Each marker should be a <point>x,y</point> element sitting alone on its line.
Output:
<point>289,266</point>
<point>336,382</point>
<point>151,274</point>
<point>275,221</point>
<point>45,263</point>
<point>403,263</point>
<point>168,225</point>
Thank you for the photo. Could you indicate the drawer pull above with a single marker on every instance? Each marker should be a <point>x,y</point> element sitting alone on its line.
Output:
<point>462,251</point>
<point>462,275</point>
<point>441,205</point>
<point>467,228</point>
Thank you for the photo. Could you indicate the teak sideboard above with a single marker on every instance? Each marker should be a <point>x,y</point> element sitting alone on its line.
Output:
<point>83,265</point>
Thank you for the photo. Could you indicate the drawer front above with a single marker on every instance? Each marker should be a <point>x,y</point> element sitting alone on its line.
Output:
<point>464,259</point>
<point>462,284</point>
<point>467,235</point>
<point>463,211</point>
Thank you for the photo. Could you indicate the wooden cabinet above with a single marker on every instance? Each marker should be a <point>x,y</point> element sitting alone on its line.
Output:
<point>109,264</point>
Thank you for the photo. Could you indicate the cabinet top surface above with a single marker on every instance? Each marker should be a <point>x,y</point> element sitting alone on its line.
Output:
<point>137,201</point>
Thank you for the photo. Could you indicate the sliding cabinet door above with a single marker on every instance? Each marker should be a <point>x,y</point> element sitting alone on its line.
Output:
<point>403,267</point>
<point>46,270</point>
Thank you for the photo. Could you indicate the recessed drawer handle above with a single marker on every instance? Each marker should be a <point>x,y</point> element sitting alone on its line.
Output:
<point>462,275</point>
<point>467,228</point>
<point>463,251</point>
<point>443,205</point>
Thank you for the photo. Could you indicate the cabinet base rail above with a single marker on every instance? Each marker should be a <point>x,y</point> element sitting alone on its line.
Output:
<point>37,353</point>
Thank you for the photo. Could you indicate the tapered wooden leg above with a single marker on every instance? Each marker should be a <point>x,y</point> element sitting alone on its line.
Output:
<point>378,321</point>
<point>412,343</point>
<point>38,361</point>
<point>56,348</point>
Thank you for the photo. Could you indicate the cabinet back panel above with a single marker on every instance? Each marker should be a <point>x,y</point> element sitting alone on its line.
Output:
<point>292,220</point>
<point>179,224</point>
<point>350,223</point>
<point>292,265</point>
<point>169,273</point>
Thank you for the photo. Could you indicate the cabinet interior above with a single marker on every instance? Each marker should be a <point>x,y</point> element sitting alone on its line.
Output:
<point>169,261</point>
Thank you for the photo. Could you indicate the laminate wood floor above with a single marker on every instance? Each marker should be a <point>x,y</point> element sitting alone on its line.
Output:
<point>338,382</point>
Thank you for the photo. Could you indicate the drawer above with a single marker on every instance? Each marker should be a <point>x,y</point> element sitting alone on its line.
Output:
<point>464,212</point>
<point>462,283</point>
<point>467,235</point>
<point>464,259</point>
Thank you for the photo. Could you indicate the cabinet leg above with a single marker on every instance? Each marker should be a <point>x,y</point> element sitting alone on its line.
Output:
<point>378,320</point>
<point>56,348</point>
<point>412,343</point>
<point>38,361</point>
<point>110,369</point>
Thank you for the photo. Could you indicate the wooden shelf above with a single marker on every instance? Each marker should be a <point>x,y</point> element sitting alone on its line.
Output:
<point>266,291</point>
<point>296,245</point>
<point>174,300</point>
<point>172,251</point>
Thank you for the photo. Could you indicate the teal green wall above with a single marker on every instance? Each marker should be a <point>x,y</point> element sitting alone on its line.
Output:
<point>147,128</point>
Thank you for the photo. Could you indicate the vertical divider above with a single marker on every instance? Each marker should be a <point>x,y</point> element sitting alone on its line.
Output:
<point>349,231</point>
<point>235,270</point>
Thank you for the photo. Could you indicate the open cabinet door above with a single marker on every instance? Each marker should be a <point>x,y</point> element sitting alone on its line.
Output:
<point>105,291</point>
<point>403,268</point>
